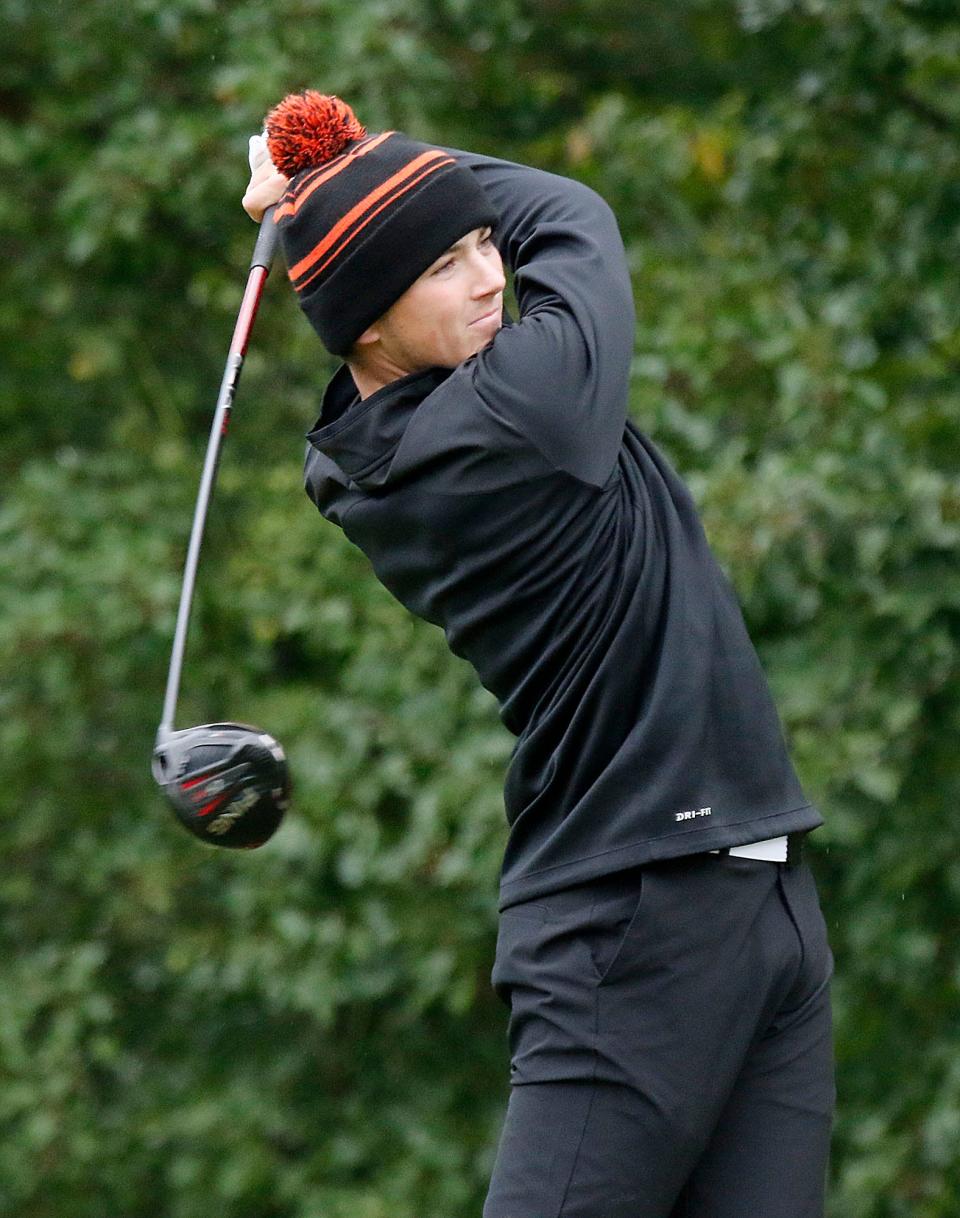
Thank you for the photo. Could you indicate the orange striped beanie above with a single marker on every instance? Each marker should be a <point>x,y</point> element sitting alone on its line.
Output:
<point>363,216</point>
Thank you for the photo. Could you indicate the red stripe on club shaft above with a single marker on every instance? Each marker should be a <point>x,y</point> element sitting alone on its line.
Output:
<point>248,310</point>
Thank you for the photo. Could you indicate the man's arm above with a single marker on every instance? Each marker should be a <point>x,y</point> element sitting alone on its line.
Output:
<point>561,374</point>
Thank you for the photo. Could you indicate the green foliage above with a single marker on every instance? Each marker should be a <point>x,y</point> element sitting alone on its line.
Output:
<point>308,1031</point>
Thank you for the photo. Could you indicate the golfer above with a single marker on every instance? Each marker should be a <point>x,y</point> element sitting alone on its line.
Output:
<point>661,948</point>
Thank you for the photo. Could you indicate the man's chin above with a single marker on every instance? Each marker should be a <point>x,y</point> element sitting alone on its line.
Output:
<point>485,337</point>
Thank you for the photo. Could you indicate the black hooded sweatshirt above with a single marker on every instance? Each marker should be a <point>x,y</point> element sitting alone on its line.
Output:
<point>512,503</point>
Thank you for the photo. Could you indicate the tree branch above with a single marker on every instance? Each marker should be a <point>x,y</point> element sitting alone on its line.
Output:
<point>924,110</point>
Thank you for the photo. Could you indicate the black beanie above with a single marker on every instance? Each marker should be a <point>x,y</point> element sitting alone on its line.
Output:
<point>364,216</point>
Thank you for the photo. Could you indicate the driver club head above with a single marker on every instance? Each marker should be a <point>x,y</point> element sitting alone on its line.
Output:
<point>228,783</point>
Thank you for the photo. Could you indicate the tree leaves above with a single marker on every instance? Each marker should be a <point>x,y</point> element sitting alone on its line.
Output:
<point>309,1030</point>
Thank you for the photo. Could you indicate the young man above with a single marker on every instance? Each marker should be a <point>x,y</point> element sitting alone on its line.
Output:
<point>661,947</point>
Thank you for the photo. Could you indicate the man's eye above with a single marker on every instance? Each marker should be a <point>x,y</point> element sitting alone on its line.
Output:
<point>447,262</point>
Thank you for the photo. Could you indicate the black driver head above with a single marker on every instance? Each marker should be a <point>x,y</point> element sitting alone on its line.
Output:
<point>227,782</point>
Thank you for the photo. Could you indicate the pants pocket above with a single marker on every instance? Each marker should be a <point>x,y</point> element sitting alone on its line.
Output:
<point>552,957</point>
<point>612,923</point>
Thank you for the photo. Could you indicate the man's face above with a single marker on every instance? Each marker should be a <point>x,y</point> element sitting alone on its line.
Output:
<point>450,313</point>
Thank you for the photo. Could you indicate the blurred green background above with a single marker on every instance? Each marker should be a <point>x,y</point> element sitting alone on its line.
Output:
<point>307,1031</point>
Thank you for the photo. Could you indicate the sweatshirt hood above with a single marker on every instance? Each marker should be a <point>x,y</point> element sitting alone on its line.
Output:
<point>361,436</point>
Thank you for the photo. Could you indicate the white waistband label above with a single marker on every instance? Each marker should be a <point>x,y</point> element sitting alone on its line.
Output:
<point>770,850</point>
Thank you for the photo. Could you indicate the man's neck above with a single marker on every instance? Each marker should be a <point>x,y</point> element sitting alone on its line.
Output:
<point>367,381</point>
<point>376,371</point>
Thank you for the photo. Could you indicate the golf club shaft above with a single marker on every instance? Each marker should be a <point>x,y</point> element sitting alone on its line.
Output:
<point>259,270</point>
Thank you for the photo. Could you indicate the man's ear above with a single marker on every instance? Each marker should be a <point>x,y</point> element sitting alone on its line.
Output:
<point>370,335</point>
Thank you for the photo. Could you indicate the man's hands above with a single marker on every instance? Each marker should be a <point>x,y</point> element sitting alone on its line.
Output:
<point>266,183</point>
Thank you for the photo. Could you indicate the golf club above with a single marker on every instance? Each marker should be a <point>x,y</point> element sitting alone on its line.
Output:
<point>228,783</point>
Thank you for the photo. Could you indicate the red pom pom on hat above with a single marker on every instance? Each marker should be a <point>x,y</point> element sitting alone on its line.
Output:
<point>308,129</point>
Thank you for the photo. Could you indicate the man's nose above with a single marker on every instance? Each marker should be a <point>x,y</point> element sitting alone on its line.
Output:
<point>490,278</point>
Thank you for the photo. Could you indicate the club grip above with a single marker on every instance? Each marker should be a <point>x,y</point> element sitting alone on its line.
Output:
<point>266,245</point>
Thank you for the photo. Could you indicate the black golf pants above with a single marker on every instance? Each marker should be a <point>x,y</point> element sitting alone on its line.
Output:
<point>671,1049</point>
